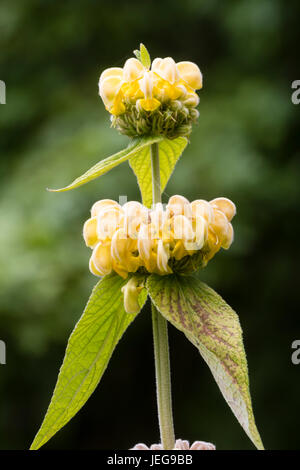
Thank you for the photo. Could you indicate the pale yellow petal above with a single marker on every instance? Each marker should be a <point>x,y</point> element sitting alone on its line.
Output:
<point>90,232</point>
<point>178,205</point>
<point>163,255</point>
<point>166,69</point>
<point>202,208</point>
<point>220,224</point>
<point>109,220</point>
<point>111,72</point>
<point>201,231</point>
<point>133,70</point>
<point>146,85</point>
<point>190,73</point>
<point>103,204</point>
<point>225,205</point>
<point>93,268</point>
<point>101,258</point>
<point>108,89</point>
<point>183,229</point>
<point>229,237</point>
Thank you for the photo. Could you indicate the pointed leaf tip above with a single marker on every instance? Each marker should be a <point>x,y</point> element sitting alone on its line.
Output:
<point>89,350</point>
<point>214,328</point>
<point>103,166</point>
<point>145,56</point>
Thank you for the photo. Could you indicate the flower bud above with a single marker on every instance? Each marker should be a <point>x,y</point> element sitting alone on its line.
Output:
<point>191,100</point>
<point>131,292</point>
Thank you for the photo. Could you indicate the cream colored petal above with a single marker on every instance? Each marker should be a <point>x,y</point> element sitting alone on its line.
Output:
<point>146,85</point>
<point>109,220</point>
<point>201,231</point>
<point>108,89</point>
<point>101,258</point>
<point>163,255</point>
<point>90,232</point>
<point>119,245</point>
<point>144,242</point>
<point>158,218</point>
<point>135,214</point>
<point>133,70</point>
<point>93,268</point>
<point>103,204</point>
<point>183,229</point>
<point>220,224</point>
<point>190,73</point>
<point>225,205</point>
<point>166,69</point>
<point>134,209</point>
<point>156,63</point>
<point>178,205</point>
<point>202,208</point>
<point>229,237</point>
<point>111,72</point>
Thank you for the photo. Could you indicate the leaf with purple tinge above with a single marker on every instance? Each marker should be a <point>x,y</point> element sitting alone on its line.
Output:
<point>214,328</point>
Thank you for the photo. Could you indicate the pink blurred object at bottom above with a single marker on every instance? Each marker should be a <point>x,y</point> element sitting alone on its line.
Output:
<point>179,445</point>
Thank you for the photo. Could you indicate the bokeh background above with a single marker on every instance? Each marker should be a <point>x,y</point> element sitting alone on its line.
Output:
<point>246,147</point>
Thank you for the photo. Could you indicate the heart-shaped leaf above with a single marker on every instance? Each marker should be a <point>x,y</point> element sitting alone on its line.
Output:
<point>214,328</point>
<point>89,350</point>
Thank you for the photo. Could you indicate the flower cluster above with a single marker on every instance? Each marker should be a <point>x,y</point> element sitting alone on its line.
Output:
<point>160,100</point>
<point>181,237</point>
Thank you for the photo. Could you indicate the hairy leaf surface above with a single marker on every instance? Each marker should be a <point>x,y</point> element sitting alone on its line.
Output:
<point>214,328</point>
<point>169,153</point>
<point>89,350</point>
<point>134,149</point>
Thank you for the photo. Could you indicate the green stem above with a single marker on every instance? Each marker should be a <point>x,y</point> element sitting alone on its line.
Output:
<point>161,343</point>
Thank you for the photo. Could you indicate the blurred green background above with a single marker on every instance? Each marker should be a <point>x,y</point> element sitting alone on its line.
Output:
<point>246,147</point>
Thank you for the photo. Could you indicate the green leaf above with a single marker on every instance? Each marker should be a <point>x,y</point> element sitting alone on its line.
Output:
<point>89,350</point>
<point>145,56</point>
<point>214,328</point>
<point>102,167</point>
<point>169,153</point>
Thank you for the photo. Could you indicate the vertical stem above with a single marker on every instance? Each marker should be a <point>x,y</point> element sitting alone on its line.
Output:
<point>160,338</point>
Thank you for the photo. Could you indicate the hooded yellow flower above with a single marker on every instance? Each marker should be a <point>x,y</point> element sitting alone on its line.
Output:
<point>137,96</point>
<point>180,237</point>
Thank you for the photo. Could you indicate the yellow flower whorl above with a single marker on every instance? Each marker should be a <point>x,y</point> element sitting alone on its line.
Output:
<point>160,100</point>
<point>181,237</point>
